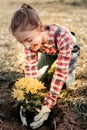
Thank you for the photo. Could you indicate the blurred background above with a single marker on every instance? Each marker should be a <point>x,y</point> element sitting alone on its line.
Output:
<point>69,13</point>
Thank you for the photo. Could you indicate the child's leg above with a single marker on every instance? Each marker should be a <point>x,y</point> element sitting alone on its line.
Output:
<point>44,64</point>
<point>72,67</point>
<point>70,79</point>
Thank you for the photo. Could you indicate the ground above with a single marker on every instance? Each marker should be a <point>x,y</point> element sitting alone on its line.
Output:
<point>70,113</point>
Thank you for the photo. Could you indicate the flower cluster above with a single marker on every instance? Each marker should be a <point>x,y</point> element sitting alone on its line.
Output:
<point>28,92</point>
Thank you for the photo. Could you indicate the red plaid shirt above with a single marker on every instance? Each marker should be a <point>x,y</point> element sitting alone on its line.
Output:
<point>64,45</point>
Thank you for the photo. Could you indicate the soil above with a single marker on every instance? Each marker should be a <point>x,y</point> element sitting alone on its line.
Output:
<point>62,117</point>
<point>70,112</point>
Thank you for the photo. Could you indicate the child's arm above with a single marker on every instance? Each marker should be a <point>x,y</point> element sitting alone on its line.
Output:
<point>31,64</point>
<point>65,45</point>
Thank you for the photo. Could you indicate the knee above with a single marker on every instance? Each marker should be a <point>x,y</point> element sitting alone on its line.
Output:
<point>70,79</point>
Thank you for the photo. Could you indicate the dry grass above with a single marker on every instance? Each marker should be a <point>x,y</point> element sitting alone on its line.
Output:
<point>12,53</point>
<point>73,17</point>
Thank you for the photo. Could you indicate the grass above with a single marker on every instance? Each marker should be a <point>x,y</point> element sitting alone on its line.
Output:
<point>12,53</point>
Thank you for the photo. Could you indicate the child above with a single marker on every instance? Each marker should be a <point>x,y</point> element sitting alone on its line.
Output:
<point>55,43</point>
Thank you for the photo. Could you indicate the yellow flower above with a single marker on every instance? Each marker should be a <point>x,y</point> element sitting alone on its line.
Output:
<point>25,86</point>
<point>26,101</point>
<point>29,84</point>
<point>18,94</point>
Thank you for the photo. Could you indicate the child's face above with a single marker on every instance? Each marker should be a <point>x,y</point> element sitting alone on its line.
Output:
<point>30,39</point>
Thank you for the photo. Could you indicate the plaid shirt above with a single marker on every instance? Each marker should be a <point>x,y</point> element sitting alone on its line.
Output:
<point>65,44</point>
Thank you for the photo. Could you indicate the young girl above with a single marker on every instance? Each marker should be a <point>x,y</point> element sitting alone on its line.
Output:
<point>55,43</point>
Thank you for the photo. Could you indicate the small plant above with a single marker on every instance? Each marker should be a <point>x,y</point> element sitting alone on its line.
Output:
<point>28,93</point>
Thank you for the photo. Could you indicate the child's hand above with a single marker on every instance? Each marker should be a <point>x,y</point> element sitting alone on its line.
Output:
<point>41,117</point>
